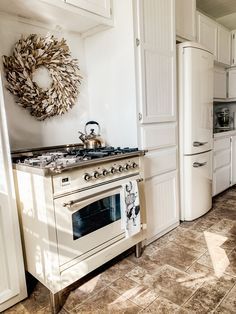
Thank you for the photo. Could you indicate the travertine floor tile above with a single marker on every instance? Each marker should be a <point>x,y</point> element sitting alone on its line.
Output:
<point>162,306</point>
<point>107,301</point>
<point>228,305</point>
<point>210,294</point>
<point>176,255</point>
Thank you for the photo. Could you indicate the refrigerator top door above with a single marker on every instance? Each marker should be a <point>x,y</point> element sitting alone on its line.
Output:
<point>196,101</point>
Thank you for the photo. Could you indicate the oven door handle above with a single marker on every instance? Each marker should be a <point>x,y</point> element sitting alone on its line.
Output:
<point>70,204</point>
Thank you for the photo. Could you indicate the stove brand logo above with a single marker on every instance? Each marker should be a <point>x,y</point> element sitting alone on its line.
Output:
<point>65,181</point>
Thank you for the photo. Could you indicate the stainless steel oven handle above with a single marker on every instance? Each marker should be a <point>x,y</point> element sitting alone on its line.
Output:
<point>76,201</point>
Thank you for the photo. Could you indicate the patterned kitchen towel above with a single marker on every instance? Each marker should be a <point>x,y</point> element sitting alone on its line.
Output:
<point>130,208</point>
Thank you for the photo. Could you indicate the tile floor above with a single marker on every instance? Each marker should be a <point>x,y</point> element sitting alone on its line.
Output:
<point>192,269</point>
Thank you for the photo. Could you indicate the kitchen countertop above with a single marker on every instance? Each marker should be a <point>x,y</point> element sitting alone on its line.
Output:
<point>224,134</point>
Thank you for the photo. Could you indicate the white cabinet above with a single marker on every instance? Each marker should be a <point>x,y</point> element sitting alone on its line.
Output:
<point>224,44</point>
<point>220,83</point>
<point>215,37</point>
<point>99,7</point>
<point>156,61</point>
<point>186,19</point>
<point>156,82</point>
<point>207,33</point>
<point>233,158</point>
<point>84,16</point>
<point>232,83</point>
<point>222,164</point>
<point>12,275</point>
<point>146,94</point>
<point>162,204</point>
<point>221,180</point>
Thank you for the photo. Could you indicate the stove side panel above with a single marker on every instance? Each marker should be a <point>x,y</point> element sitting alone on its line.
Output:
<point>37,220</point>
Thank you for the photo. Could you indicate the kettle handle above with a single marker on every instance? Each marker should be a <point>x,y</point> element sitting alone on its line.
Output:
<point>92,122</point>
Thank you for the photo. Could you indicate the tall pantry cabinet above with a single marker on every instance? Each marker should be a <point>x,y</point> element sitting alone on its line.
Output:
<point>156,99</point>
<point>134,78</point>
<point>12,275</point>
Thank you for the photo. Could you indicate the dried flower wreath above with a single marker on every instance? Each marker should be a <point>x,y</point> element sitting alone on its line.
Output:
<point>33,52</point>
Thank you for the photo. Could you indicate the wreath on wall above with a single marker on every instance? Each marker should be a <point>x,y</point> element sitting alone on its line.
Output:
<point>34,52</point>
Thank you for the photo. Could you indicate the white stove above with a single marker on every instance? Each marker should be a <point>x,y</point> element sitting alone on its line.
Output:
<point>70,206</point>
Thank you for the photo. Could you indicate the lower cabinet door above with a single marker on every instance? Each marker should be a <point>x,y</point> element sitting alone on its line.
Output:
<point>162,204</point>
<point>221,179</point>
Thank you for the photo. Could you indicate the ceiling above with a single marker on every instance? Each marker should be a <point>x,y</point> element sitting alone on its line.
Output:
<point>223,11</point>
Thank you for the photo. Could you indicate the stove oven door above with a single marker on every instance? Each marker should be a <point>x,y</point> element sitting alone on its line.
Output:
<point>88,222</point>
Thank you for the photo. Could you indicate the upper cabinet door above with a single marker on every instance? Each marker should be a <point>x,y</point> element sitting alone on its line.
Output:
<point>12,280</point>
<point>156,61</point>
<point>207,33</point>
<point>232,83</point>
<point>224,39</point>
<point>220,83</point>
<point>100,7</point>
<point>186,19</point>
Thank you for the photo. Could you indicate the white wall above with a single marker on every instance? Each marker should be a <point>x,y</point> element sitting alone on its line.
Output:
<point>24,130</point>
<point>111,78</point>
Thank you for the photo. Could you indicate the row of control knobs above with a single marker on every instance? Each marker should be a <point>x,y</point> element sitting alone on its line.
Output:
<point>112,170</point>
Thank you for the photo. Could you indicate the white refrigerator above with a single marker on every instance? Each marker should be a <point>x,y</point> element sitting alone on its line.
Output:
<point>195,100</point>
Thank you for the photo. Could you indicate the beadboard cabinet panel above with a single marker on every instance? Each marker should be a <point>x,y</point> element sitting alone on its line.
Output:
<point>156,61</point>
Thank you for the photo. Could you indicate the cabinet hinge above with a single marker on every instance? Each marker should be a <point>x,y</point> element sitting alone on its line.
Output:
<point>110,11</point>
<point>233,36</point>
<point>137,42</point>
<point>233,60</point>
<point>140,116</point>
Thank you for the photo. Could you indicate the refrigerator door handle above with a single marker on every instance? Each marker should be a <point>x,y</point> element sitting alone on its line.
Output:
<point>197,144</point>
<point>199,164</point>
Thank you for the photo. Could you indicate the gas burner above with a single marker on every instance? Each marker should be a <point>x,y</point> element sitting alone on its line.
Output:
<point>57,160</point>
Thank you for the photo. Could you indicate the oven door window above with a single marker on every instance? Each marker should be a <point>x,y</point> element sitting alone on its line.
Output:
<point>96,215</point>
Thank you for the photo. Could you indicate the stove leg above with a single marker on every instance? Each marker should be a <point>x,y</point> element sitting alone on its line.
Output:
<point>138,249</point>
<point>55,302</point>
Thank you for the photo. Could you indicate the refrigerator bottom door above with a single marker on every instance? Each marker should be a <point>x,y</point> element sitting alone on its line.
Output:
<point>196,198</point>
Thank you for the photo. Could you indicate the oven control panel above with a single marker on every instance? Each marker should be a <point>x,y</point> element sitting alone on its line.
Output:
<point>114,169</point>
<point>82,178</point>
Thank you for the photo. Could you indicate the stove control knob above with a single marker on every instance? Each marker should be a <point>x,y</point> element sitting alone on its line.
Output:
<point>96,174</point>
<point>112,170</point>
<point>126,167</point>
<point>104,172</point>
<point>120,169</point>
<point>134,165</point>
<point>87,177</point>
